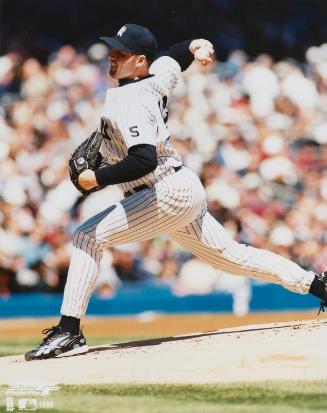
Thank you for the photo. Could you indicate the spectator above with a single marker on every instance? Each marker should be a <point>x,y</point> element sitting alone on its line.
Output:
<point>260,148</point>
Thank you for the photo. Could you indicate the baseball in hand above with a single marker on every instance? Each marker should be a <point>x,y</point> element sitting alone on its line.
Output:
<point>203,55</point>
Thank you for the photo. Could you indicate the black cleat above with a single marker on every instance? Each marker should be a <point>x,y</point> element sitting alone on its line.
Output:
<point>318,288</point>
<point>58,343</point>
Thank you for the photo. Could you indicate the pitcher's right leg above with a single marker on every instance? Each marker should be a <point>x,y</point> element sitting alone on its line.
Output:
<point>139,217</point>
<point>173,203</point>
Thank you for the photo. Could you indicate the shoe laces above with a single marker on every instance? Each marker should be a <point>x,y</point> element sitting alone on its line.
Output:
<point>51,332</point>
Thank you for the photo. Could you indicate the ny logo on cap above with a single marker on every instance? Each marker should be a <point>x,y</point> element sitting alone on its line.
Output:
<point>121,31</point>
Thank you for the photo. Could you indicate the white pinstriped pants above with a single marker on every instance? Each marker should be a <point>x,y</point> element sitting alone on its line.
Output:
<point>175,206</point>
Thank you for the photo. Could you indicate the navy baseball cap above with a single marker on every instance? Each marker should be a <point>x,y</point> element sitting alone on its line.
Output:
<point>133,38</point>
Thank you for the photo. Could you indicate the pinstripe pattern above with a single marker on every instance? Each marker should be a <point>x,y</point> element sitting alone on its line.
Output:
<point>173,203</point>
<point>176,206</point>
<point>141,104</point>
<point>209,241</point>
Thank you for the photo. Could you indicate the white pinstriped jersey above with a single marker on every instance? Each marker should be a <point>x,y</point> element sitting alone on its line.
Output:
<point>136,114</point>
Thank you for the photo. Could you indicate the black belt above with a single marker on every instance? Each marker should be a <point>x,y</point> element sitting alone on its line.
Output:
<point>141,187</point>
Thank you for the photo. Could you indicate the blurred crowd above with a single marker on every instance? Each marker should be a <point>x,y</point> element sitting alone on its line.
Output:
<point>280,28</point>
<point>253,129</point>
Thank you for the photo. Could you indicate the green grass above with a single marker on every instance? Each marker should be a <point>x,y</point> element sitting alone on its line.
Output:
<point>267,397</point>
<point>11,347</point>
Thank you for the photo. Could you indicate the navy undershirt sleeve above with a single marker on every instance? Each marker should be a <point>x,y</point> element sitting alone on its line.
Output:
<point>141,160</point>
<point>181,53</point>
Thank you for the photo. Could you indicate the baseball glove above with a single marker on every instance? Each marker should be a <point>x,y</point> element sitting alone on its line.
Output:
<point>86,156</point>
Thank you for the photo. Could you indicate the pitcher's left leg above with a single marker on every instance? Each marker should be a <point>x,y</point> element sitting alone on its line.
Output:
<point>207,239</point>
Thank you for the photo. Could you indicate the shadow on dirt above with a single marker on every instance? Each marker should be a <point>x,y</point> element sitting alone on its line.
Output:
<point>158,341</point>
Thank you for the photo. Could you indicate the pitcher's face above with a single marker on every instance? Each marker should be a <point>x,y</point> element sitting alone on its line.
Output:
<point>122,64</point>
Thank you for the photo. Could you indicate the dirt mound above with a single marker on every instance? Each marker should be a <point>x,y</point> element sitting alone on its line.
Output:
<point>293,350</point>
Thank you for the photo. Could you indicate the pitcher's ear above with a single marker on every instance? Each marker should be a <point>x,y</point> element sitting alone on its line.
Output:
<point>141,60</point>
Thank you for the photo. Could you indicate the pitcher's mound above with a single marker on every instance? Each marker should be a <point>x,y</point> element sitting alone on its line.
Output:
<point>294,350</point>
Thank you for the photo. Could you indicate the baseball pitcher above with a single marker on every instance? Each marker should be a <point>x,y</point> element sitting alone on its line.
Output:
<point>161,195</point>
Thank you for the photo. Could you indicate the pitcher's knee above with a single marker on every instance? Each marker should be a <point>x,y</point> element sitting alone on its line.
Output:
<point>238,251</point>
<point>85,239</point>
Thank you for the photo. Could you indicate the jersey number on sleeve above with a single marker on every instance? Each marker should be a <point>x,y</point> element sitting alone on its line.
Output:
<point>134,131</point>
<point>163,107</point>
<point>104,127</point>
